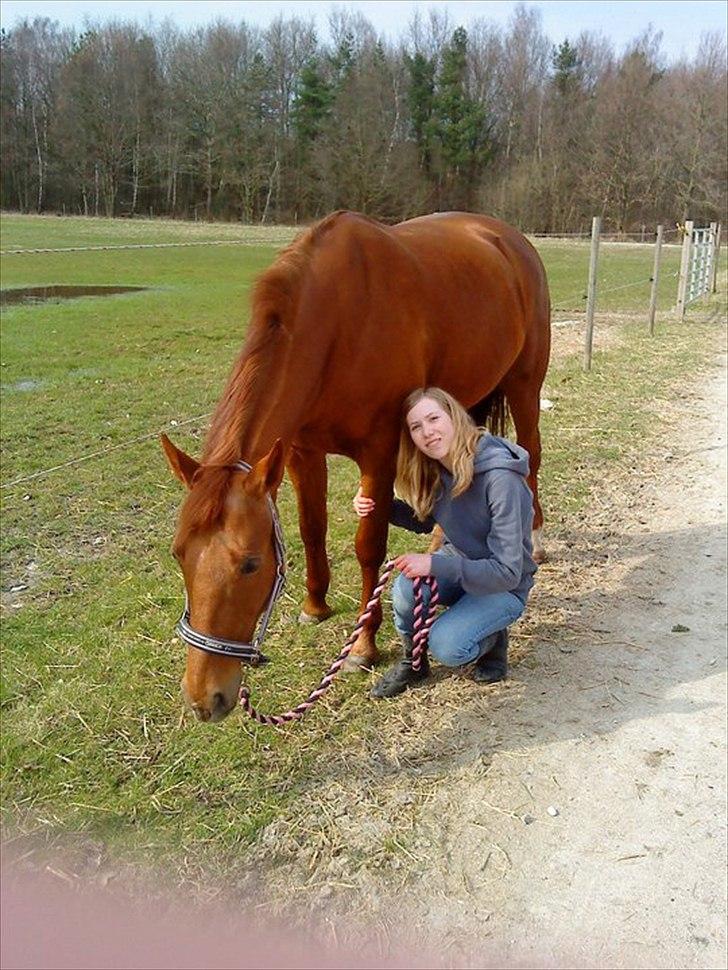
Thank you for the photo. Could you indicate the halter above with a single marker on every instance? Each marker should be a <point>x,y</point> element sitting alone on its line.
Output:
<point>249,653</point>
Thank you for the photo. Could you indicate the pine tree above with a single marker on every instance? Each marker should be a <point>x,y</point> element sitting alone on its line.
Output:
<point>566,64</point>
<point>312,104</point>
<point>421,97</point>
<point>459,123</point>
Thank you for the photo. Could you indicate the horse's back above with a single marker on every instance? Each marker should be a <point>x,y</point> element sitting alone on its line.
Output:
<point>486,292</point>
<point>474,238</point>
<point>450,299</point>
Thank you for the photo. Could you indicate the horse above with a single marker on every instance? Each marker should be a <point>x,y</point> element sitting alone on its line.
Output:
<point>349,319</point>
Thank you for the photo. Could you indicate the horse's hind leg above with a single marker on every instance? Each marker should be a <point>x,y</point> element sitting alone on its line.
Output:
<point>307,471</point>
<point>523,394</point>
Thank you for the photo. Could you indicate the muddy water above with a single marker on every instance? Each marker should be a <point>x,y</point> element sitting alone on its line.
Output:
<point>41,294</point>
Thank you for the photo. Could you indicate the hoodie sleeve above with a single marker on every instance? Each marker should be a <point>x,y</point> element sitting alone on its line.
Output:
<point>404,516</point>
<point>502,569</point>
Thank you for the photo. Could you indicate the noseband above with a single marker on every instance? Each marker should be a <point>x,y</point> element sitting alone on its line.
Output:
<point>248,653</point>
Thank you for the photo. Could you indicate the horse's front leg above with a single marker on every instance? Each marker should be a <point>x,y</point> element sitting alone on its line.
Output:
<point>307,471</point>
<point>377,482</point>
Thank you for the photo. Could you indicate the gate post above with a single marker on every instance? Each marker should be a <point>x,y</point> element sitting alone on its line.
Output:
<point>682,289</point>
<point>716,255</point>
<point>655,275</point>
<point>591,291</point>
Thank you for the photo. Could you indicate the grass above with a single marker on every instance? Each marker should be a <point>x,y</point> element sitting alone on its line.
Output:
<point>50,232</point>
<point>93,742</point>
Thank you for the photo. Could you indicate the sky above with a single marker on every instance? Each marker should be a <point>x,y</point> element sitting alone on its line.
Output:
<point>681,21</point>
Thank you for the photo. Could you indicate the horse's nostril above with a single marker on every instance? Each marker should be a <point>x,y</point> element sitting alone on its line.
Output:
<point>218,700</point>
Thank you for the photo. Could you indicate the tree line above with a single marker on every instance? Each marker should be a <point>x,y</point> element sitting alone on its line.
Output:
<point>232,122</point>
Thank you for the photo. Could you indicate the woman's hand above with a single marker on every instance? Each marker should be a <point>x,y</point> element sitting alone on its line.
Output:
<point>362,505</point>
<point>414,564</point>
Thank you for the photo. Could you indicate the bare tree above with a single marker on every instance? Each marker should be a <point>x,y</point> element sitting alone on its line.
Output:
<point>227,121</point>
<point>621,172</point>
<point>695,137</point>
<point>31,60</point>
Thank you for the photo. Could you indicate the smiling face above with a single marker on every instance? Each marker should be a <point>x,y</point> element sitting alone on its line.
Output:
<point>431,429</point>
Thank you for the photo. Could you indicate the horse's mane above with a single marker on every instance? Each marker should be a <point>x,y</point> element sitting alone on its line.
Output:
<point>273,309</point>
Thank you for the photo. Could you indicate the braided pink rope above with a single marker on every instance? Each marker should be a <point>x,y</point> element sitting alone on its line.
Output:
<point>424,617</point>
<point>422,623</point>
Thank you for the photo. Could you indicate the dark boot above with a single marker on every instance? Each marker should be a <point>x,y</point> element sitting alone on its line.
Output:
<point>492,665</point>
<point>399,677</point>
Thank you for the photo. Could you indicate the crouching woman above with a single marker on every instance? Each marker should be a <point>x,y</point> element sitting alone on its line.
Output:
<point>473,485</point>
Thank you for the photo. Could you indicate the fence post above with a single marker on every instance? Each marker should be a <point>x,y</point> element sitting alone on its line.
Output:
<point>716,256</point>
<point>591,291</point>
<point>682,287</point>
<point>655,276</point>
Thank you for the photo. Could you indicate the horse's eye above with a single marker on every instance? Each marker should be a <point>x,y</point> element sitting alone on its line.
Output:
<point>249,565</point>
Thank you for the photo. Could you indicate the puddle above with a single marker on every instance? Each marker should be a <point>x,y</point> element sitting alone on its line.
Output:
<point>23,386</point>
<point>43,294</point>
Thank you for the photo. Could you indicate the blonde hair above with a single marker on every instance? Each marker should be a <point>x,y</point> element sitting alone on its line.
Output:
<point>418,476</point>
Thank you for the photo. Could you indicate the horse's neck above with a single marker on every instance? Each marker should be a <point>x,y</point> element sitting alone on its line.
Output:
<point>263,401</point>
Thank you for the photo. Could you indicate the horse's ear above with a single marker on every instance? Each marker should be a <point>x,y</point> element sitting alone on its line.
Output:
<point>181,464</point>
<point>267,474</point>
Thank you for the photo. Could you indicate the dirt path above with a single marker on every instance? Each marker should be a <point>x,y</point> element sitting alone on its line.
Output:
<point>631,872</point>
<point>574,816</point>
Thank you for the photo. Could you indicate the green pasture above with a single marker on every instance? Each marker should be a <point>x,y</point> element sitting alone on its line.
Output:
<point>92,738</point>
<point>50,232</point>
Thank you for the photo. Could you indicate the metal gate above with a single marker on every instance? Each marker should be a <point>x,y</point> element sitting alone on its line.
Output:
<point>697,265</point>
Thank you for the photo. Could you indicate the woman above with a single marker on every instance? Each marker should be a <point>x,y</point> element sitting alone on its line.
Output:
<point>473,485</point>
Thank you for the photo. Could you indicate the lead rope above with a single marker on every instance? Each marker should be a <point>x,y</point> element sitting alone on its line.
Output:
<point>423,620</point>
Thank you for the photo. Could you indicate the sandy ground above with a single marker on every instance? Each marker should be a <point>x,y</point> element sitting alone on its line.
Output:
<point>574,816</point>
<point>625,738</point>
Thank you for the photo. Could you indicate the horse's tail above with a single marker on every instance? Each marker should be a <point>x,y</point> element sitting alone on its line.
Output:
<point>492,413</point>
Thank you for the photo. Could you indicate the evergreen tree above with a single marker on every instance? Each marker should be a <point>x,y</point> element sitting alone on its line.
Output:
<point>342,60</point>
<point>566,64</point>
<point>421,97</point>
<point>459,124</point>
<point>312,104</point>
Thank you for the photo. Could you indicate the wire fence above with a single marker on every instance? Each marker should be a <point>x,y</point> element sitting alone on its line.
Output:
<point>91,249</point>
<point>646,237</point>
<point>104,451</point>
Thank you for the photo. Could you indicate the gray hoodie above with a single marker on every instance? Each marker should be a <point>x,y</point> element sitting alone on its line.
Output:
<point>487,528</point>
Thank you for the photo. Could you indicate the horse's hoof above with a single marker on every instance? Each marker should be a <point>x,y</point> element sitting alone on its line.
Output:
<point>540,556</point>
<point>304,617</point>
<point>356,665</point>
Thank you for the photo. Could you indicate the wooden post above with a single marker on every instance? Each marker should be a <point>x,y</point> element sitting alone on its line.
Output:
<point>716,256</point>
<point>682,287</point>
<point>655,277</point>
<point>591,291</point>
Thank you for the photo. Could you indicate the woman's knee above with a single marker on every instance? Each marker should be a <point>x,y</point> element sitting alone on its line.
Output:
<point>403,596</point>
<point>403,600</point>
<point>449,651</point>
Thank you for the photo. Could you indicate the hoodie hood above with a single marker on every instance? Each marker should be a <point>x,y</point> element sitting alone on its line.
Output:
<point>494,452</point>
<point>487,528</point>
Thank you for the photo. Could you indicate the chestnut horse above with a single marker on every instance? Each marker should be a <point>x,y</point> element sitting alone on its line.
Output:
<point>346,322</point>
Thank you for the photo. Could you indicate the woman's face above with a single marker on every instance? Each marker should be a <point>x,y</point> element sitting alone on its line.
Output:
<point>431,429</point>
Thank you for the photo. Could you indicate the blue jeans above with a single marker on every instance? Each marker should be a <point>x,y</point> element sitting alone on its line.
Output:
<point>456,635</point>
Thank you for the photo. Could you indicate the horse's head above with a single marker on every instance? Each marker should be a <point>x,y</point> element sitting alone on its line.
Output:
<point>225,546</point>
